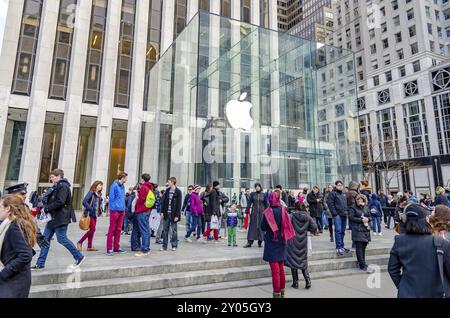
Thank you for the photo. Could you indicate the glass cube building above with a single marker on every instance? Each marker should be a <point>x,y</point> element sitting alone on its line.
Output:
<point>241,104</point>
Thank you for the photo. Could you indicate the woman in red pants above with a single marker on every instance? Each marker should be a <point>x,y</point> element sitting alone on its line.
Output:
<point>92,206</point>
<point>278,230</point>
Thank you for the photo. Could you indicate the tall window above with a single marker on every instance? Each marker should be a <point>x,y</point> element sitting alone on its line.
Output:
<point>225,8</point>
<point>125,57</point>
<point>93,75</point>
<point>180,17</point>
<point>63,50</point>
<point>26,51</point>
<point>203,5</point>
<point>153,42</point>
<point>264,9</point>
<point>245,10</point>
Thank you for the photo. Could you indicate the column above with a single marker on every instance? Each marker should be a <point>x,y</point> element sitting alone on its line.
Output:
<point>102,148</point>
<point>168,12</point>
<point>135,113</point>
<point>32,148</point>
<point>7,64</point>
<point>214,53</point>
<point>192,9</point>
<point>72,113</point>
<point>255,14</point>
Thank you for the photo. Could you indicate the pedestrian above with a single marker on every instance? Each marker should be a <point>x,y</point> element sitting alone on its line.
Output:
<point>17,239</point>
<point>213,212</point>
<point>196,211</point>
<point>284,195</point>
<point>337,203</point>
<point>244,203</point>
<point>390,210</point>
<point>161,224</point>
<point>59,206</point>
<point>440,198</point>
<point>140,236</point>
<point>365,189</point>
<point>155,217</point>
<point>171,214</point>
<point>376,214</point>
<point>256,207</point>
<point>232,217</point>
<point>278,231</point>
<point>399,215</point>
<point>440,222</point>
<point>413,263</point>
<point>117,213</point>
<point>186,208</point>
<point>297,250</point>
<point>223,200</point>
<point>360,217</point>
<point>315,207</point>
<point>92,203</point>
<point>127,220</point>
<point>305,195</point>
<point>383,201</point>
<point>206,218</point>
<point>328,212</point>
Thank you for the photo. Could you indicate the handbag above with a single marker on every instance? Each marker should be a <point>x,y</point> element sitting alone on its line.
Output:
<point>397,228</point>
<point>214,222</point>
<point>85,222</point>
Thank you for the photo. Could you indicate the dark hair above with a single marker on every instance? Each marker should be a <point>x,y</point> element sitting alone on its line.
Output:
<point>94,186</point>
<point>57,172</point>
<point>146,177</point>
<point>247,189</point>
<point>418,226</point>
<point>278,187</point>
<point>258,185</point>
<point>337,182</point>
<point>122,175</point>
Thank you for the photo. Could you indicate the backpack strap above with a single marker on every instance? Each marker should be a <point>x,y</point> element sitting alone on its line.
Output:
<point>440,255</point>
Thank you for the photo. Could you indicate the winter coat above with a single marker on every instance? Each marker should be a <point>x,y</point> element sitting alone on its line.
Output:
<point>274,250</point>
<point>353,192</point>
<point>117,197</point>
<point>360,233</point>
<point>232,217</point>
<point>142,197</point>
<point>375,204</point>
<point>413,267</point>
<point>187,203</point>
<point>213,207</point>
<point>59,205</point>
<point>297,250</point>
<point>441,199</point>
<point>92,204</point>
<point>315,208</point>
<point>325,205</point>
<point>196,207</point>
<point>257,205</point>
<point>15,278</point>
<point>176,205</point>
<point>383,200</point>
<point>337,203</point>
<point>390,207</point>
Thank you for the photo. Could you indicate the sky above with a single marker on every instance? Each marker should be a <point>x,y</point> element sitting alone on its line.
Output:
<point>3,11</point>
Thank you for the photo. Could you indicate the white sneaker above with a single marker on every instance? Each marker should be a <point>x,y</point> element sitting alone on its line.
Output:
<point>203,239</point>
<point>380,234</point>
<point>187,239</point>
<point>174,249</point>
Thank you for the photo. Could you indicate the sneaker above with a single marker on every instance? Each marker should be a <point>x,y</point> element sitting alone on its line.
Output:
<point>367,270</point>
<point>37,267</point>
<point>119,251</point>
<point>174,249</point>
<point>79,262</point>
<point>187,239</point>
<point>140,254</point>
<point>203,239</point>
<point>340,252</point>
<point>110,253</point>
<point>346,251</point>
<point>158,241</point>
<point>380,234</point>
<point>162,249</point>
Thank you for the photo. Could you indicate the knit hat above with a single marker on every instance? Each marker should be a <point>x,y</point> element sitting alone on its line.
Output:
<point>415,211</point>
<point>197,187</point>
<point>215,184</point>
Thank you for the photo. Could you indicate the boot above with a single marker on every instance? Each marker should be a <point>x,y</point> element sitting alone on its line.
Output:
<point>332,239</point>
<point>276,295</point>
<point>307,278</point>
<point>283,293</point>
<point>294,278</point>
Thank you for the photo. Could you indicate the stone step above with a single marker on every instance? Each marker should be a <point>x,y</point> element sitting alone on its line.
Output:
<point>188,290</point>
<point>50,277</point>
<point>128,284</point>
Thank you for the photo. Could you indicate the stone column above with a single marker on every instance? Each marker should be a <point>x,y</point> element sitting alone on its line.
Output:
<point>32,148</point>
<point>102,149</point>
<point>168,12</point>
<point>135,114</point>
<point>192,9</point>
<point>72,114</point>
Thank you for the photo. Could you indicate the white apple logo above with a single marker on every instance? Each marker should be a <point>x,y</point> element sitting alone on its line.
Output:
<point>238,113</point>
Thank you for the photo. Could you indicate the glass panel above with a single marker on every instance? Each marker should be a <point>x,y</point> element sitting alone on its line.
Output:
<point>118,150</point>
<point>51,145</point>
<point>15,152</point>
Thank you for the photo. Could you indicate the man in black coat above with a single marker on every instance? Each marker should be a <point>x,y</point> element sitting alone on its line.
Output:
<point>59,206</point>
<point>171,214</point>
<point>337,203</point>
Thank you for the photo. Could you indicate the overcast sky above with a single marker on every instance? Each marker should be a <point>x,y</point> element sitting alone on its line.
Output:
<point>3,11</point>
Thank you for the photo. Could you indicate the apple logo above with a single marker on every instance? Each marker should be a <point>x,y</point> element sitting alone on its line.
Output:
<point>238,113</point>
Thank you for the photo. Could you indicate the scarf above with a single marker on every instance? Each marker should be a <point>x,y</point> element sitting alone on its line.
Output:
<point>287,230</point>
<point>4,226</point>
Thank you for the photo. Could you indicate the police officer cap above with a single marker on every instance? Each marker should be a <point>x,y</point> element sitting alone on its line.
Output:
<point>18,188</point>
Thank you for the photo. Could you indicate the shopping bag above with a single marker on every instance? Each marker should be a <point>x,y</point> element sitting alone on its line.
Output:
<point>309,246</point>
<point>43,218</point>
<point>324,219</point>
<point>214,222</point>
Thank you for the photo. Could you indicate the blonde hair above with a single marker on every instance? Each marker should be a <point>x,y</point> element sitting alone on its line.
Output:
<point>440,190</point>
<point>20,214</point>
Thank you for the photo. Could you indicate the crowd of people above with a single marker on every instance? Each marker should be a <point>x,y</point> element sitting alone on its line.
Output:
<point>278,220</point>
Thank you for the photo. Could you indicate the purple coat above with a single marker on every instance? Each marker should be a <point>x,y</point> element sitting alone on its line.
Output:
<point>196,207</point>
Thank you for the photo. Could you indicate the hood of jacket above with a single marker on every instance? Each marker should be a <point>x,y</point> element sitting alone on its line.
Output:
<point>373,197</point>
<point>353,185</point>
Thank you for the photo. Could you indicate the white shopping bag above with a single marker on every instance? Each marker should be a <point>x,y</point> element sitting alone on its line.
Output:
<point>155,220</point>
<point>44,218</point>
<point>309,246</point>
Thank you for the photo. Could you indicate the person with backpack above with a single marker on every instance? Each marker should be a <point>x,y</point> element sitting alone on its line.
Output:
<point>376,213</point>
<point>419,263</point>
<point>144,203</point>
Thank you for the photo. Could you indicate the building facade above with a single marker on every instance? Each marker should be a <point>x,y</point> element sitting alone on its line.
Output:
<point>401,49</point>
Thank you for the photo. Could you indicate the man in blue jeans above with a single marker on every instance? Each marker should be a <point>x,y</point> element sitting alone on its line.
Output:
<point>59,206</point>
<point>187,208</point>
<point>142,216</point>
<point>337,203</point>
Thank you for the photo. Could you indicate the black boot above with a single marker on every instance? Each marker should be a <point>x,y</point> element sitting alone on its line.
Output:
<point>294,278</point>
<point>307,278</point>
